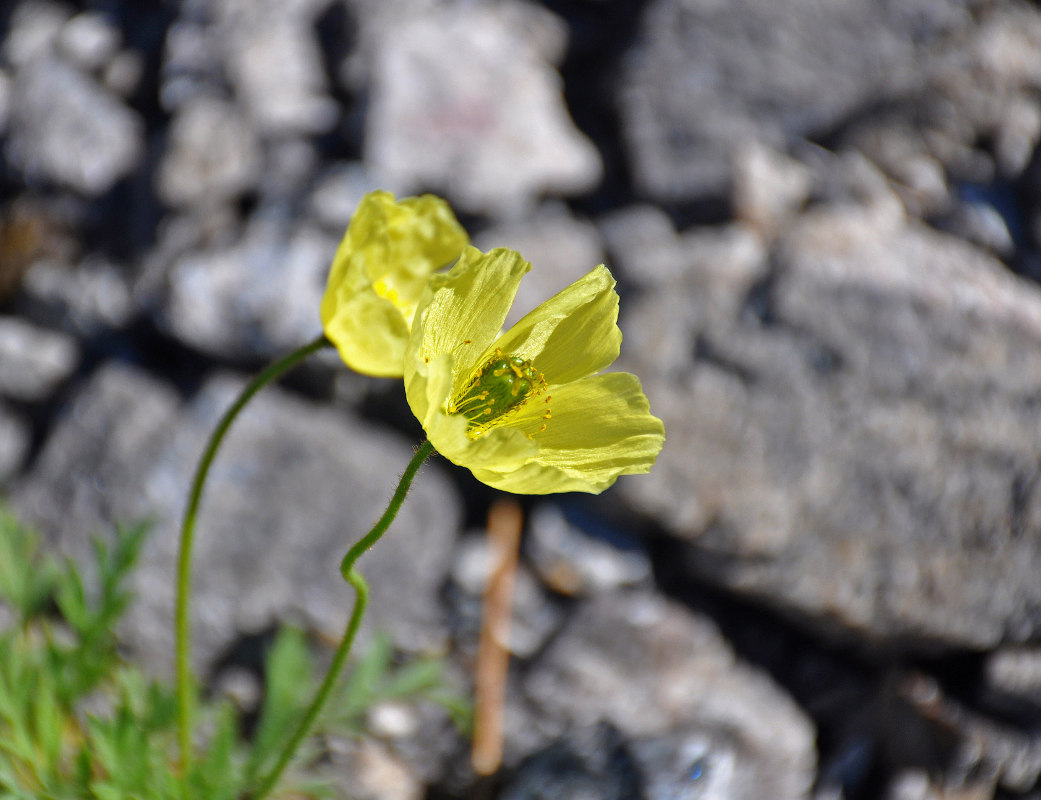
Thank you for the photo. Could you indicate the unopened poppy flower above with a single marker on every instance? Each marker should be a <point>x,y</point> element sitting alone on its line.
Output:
<point>380,268</point>
<point>528,411</point>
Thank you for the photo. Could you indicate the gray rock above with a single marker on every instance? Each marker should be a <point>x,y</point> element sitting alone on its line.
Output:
<point>67,128</point>
<point>33,30</point>
<point>364,768</point>
<point>1015,672</point>
<point>33,361</point>
<point>89,40</point>
<point>293,487</point>
<point>212,155</point>
<point>574,562</point>
<point>705,77</point>
<point>336,194</point>
<point>256,296</point>
<point>853,428</point>
<point>5,100</point>
<point>768,188</point>
<point>14,446</point>
<point>695,717</point>
<point>191,63</point>
<point>466,103</point>
<point>984,751</point>
<point>276,69</point>
<point>84,299</point>
<point>533,620</point>
<point>975,116</point>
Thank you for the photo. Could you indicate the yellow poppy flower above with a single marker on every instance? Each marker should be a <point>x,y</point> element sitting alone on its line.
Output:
<point>527,411</point>
<point>380,268</point>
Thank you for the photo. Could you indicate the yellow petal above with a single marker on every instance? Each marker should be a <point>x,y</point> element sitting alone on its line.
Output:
<point>463,310</point>
<point>601,427</point>
<point>380,268</point>
<point>370,334</point>
<point>574,333</point>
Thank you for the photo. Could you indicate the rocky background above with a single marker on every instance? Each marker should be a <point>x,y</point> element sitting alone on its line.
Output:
<point>825,219</point>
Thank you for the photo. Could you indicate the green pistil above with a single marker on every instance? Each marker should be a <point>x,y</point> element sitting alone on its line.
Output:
<point>502,385</point>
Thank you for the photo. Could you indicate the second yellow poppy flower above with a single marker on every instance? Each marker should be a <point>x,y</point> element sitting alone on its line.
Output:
<point>390,249</point>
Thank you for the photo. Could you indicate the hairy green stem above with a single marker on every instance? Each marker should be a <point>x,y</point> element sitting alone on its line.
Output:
<point>361,589</point>
<point>182,625</point>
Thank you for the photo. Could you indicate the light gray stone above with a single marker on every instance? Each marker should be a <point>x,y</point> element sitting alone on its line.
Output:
<point>34,27</point>
<point>853,428</point>
<point>33,361</point>
<point>337,191</point>
<point>67,128</point>
<point>669,683</point>
<point>293,487</point>
<point>574,562</point>
<point>89,40</point>
<point>83,300</point>
<point>256,296</point>
<point>212,155</point>
<point>706,77</point>
<point>533,619</point>
<point>278,74</point>
<point>465,102</point>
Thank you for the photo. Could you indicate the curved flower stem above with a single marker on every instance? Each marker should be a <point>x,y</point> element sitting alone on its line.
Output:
<point>361,589</point>
<point>185,684</point>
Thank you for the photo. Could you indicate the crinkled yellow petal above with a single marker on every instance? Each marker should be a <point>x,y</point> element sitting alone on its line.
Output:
<point>463,309</point>
<point>380,268</point>
<point>370,333</point>
<point>574,333</point>
<point>601,427</point>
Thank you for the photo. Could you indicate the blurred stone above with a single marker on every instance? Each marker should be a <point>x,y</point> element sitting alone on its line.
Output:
<point>123,73</point>
<point>278,74</point>
<point>768,188</point>
<point>573,562</point>
<point>533,620</point>
<point>986,751</point>
<point>5,100</point>
<point>465,102</point>
<point>592,764</point>
<point>14,447</point>
<point>33,361</point>
<point>338,190</point>
<point>1016,673</point>
<point>561,250</point>
<point>706,77</point>
<point>293,486</point>
<point>665,679</point>
<point>83,299</point>
<point>854,433</point>
<point>191,63</point>
<point>724,261</point>
<point>89,40</point>
<point>33,29</point>
<point>256,296</point>
<point>212,155</point>
<point>974,117</point>
<point>66,128</point>
<point>366,769</point>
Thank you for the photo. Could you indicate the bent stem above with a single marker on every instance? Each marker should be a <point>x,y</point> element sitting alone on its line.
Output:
<point>185,684</point>
<point>361,589</point>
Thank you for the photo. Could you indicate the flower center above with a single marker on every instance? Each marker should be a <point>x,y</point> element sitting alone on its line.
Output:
<point>498,388</point>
